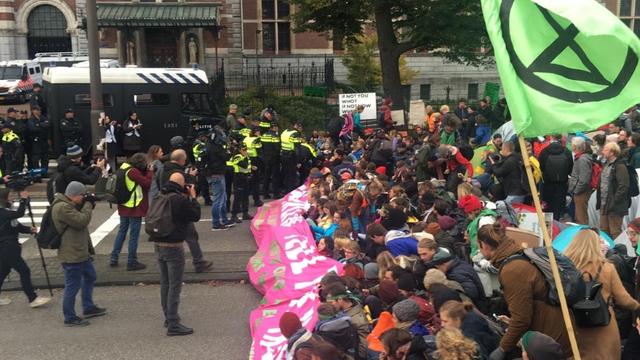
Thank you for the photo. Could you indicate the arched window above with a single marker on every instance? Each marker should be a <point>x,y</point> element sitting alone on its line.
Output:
<point>47,31</point>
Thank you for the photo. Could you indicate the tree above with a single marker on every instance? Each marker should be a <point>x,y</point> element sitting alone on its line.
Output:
<point>450,28</point>
<point>361,60</point>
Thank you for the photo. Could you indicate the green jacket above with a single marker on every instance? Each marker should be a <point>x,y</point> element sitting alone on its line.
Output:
<point>472,229</point>
<point>73,224</point>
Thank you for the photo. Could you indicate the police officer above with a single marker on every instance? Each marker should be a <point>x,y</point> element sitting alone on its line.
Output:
<point>290,145</point>
<point>308,159</point>
<point>266,119</point>
<point>37,99</point>
<point>270,140</point>
<point>13,151</point>
<point>241,129</point>
<point>199,155</point>
<point>71,129</point>
<point>38,131</point>
<point>241,172</point>
<point>254,149</point>
<point>19,126</point>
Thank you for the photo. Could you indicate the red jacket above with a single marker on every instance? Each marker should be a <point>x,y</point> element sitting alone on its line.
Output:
<point>453,164</point>
<point>144,180</point>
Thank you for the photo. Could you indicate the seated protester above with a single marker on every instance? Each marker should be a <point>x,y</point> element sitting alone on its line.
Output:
<point>335,327</point>
<point>386,296</point>
<point>374,242</point>
<point>325,246</point>
<point>435,276</point>
<point>479,216</point>
<point>356,275</point>
<point>462,316</point>
<point>371,277</point>
<point>461,272</point>
<point>352,255</point>
<point>299,339</point>
<point>449,234</point>
<point>340,243</point>
<point>314,203</point>
<point>399,344</point>
<point>538,346</point>
<point>405,315</point>
<point>427,248</point>
<point>407,287</point>
<point>326,224</point>
<point>398,240</point>
<point>440,294</point>
<point>456,166</point>
<point>452,344</point>
<point>341,299</point>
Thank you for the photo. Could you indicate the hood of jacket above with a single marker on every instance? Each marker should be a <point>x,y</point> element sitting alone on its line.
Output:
<point>396,234</point>
<point>503,251</point>
<point>64,162</point>
<point>58,198</point>
<point>555,148</point>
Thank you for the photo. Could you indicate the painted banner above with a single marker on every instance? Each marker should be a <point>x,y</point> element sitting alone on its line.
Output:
<point>286,270</point>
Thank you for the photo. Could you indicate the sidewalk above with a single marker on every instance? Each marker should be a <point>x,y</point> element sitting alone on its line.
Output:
<point>227,266</point>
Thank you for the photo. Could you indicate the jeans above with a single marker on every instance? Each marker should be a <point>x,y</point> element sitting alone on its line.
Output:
<point>191,238</point>
<point>10,258</point>
<point>77,276</point>
<point>171,262</point>
<point>519,199</point>
<point>125,223</point>
<point>218,200</point>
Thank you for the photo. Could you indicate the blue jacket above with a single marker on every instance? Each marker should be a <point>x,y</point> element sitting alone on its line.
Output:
<point>465,275</point>
<point>401,243</point>
<point>483,134</point>
<point>320,232</point>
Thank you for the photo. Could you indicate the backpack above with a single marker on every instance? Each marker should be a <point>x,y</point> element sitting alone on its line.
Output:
<point>571,278</point>
<point>48,236</point>
<point>335,125</point>
<point>55,185</point>
<point>596,170</point>
<point>340,332</point>
<point>592,310</point>
<point>116,186</point>
<point>634,189</point>
<point>159,220</point>
<point>556,168</point>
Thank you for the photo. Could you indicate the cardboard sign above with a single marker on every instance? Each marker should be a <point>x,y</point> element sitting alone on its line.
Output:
<point>349,102</point>
<point>529,221</point>
<point>416,113</point>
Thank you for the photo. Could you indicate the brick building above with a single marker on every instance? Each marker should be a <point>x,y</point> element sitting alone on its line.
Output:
<point>178,33</point>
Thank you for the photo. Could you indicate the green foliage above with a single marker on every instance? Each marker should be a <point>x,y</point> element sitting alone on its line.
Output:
<point>363,65</point>
<point>310,111</point>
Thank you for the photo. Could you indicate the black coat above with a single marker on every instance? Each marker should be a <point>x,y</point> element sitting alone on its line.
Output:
<point>9,225</point>
<point>217,157</point>
<point>466,276</point>
<point>554,148</point>
<point>477,329</point>
<point>510,173</point>
<point>72,172</point>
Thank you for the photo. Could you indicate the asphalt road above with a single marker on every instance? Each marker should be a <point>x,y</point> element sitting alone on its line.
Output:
<point>133,328</point>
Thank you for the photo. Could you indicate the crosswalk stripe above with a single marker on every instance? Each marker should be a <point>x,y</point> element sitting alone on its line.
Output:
<point>103,230</point>
<point>27,220</point>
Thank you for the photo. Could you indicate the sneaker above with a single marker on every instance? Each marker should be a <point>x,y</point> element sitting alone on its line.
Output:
<point>39,301</point>
<point>136,266</point>
<point>235,219</point>
<point>230,223</point>
<point>113,263</point>
<point>76,322</point>
<point>5,301</point>
<point>95,312</point>
<point>247,217</point>
<point>201,267</point>
<point>218,228</point>
<point>178,330</point>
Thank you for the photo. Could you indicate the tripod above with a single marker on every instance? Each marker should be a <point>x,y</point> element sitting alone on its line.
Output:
<point>44,263</point>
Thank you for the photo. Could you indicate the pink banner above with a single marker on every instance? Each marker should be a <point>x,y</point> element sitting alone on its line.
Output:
<point>286,270</point>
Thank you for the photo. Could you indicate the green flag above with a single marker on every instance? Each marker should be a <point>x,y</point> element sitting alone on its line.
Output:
<point>565,66</point>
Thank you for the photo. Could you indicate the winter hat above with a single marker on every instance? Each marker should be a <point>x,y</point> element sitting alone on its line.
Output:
<point>176,141</point>
<point>406,311</point>
<point>440,294</point>
<point>75,188</point>
<point>428,199</point>
<point>441,256</point>
<point>289,324</point>
<point>395,219</point>
<point>371,271</point>
<point>470,203</point>
<point>433,229</point>
<point>407,282</point>
<point>74,151</point>
<point>388,291</point>
<point>540,346</point>
<point>435,276</point>
<point>381,170</point>
<point>446,222</point>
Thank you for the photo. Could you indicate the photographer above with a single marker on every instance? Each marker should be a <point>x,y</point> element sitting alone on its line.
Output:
<point>217,157</point>
<point>509,171</point>
<point>10,248</point>
<point>138,176</point>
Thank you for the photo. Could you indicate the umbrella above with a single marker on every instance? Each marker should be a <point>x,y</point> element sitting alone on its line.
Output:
<point>507,130</point>
<point>562,241</point>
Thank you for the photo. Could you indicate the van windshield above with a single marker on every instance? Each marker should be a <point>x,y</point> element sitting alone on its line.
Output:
<point>197,103</point>
<point>10,72</point>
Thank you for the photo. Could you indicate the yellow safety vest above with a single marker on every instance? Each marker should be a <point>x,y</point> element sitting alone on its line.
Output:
<point>135,189</point>
<point>236,160</point>
<point>10,136</point>
<point>264,124</point>
<point>311,149</point>
<point>253,144</point>
<point>198,150</point>
<point>269,138</point>
<point>244,132</point>
<point>288,140</point>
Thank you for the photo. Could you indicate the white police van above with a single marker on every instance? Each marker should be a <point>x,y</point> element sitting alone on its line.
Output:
<point>168,101</point>
<point>17,78</point>
<point>46,59</point>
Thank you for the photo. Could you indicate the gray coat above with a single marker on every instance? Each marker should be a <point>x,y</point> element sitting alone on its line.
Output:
<point>73,224</point>
<point>581,175</point>
<point>618,200</point>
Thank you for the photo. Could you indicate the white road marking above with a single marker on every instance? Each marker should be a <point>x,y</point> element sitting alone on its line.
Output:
<point>103,230</point>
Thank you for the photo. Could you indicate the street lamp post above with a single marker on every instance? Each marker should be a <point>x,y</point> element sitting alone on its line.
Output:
<point>95,81</point>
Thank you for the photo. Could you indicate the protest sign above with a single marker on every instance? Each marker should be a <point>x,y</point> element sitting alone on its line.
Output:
<point>349,102</point>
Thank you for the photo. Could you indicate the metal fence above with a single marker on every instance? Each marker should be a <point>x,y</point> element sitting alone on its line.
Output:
<point>288,80</point>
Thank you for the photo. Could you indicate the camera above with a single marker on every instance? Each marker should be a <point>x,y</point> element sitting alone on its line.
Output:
<point>19,180</point>
<point>495,157</point>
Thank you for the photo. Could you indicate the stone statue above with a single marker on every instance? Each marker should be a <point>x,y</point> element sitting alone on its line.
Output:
<point>193,52</point>
<point>131,53</point>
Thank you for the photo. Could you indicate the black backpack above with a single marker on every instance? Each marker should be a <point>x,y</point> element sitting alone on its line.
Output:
<point>556,168</point>
<point>634,189</point>
<point>592,310</point>
<point>57,184</point>
<point>116,186</point>
<point>571,278</point>
<point>48,236</point>
<point>159,220</point>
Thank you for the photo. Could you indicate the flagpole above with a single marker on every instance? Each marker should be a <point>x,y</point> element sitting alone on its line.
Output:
<point>548,245</point>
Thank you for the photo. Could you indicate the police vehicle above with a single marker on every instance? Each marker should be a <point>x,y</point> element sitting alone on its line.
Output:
<point>46,59</point>
<point>168,102</point>
<point>17,78</point>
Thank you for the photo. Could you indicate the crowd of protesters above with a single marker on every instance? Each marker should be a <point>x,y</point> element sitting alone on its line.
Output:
<point>432,267</point>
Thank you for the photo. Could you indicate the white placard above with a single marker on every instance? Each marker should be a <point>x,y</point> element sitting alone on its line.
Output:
<point>416,112</point>
<point>529,221</point>
<point>349,102</point>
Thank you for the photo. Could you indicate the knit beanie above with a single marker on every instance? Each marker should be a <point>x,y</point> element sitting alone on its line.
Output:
<point>75,188</point>
<point>470,203</point>
<point>176,142</point>
<point>446,222</point>
<point>289,324</point>
<point>395,219</point>
<point>441,256</point>
<point>388,291</point>
<point>371,271</point>
<point>381,170</point>
<point>74,151</point>
<point>407,282</point>
<point>540,346</point>
<point>406,310</point>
